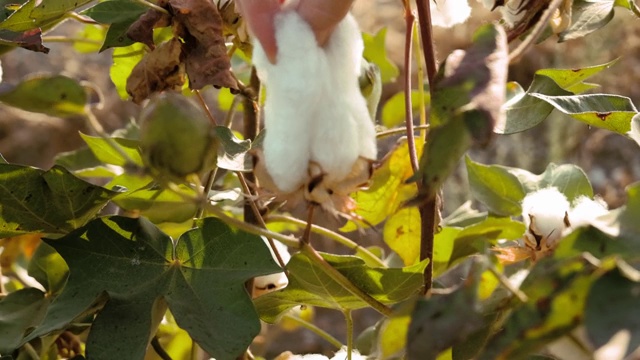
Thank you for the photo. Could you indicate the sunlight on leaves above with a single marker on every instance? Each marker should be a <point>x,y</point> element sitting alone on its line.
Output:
<point>375,52</point>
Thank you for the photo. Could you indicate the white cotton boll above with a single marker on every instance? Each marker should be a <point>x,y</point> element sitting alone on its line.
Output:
<point>545,215</point>
<point>275,281</point>
<point>447,13</point>
<point>634,134</point>
<point>585,210</point>
<point>291,98</point>
<point>343,128</point>
<point>342,355</point>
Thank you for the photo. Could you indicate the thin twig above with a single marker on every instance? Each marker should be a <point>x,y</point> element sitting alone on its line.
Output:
<point>204,105</point>
<point>349,322</point>
<point>316,330</point>
<point>338,277</point>
<point>260,221</point>
<point>31,351</point>
<point>65,39</point>
<point>82,19</point>
<point>155,344</point>
<point>396,131</point>
<point>517,53</point>
<point>153,6</point>
<point>362,252</point>
<point>408,107</point>
<point>253,229</point>
<point>426,35</point>
<point>420,74</point>
<point>506,283</point>
<point>208,185</point>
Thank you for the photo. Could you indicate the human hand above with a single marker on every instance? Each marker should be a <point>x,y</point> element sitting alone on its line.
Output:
<point>321,15</point>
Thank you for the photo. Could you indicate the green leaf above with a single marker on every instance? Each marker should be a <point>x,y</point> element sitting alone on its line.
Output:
<point>19,311</point>
<point>135,265</point>
<point>20,20</point>
<point>445,320</point>
<point>79,159</point>
<point>611,112</point>
<point>116,36</point>
<point>572,80</point>
<point>154,202</point>
<point>232,154</point>
<point>375,52</point>
<point>116,11</point>
<point>524,111</point>
<point>310,285</point>
<point>392,332</point>
<point>476,238</point>
<point>94,36</point>
<point>52,201</point>
<point>104,151</point>
<point>53,11</point>
<point>569,179</point>
<point>557,290</point>
<point>587,17</point>
<point>48,268</point>
<point>401,233</point>
<point>612,308</point>
<point>389,188</point>
<point>52,95</point>
<point>496,187</point>
<point>124,60</point>
<point>393,109</point>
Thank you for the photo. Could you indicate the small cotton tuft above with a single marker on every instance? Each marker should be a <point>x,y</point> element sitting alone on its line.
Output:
<point>635,129</point>
<point>545,214</point>
<point>585,210</point>
<point>342,355</point>
<point>447,13</point>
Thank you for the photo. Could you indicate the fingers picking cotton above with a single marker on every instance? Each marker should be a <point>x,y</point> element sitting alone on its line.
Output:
<point>545,214</point>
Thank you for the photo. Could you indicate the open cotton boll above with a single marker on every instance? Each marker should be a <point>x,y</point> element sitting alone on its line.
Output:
<point>267,283</point>
<point>342,355</point>
<point>585,210</point>
<point>342,127</point>
<point>545,214</point>
<point>447,13</point>
<point>634,134</point>
<point>291,98</point>
<point>287,355</point>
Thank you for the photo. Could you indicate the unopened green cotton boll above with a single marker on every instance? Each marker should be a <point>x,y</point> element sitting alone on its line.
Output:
<point>176,137</point>
<point>370,81</point>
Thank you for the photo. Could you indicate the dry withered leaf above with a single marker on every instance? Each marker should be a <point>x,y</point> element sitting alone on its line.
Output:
<point>30,39</point>
<point>159,70</point>
<point>142,29</point>
<point>206,60</point>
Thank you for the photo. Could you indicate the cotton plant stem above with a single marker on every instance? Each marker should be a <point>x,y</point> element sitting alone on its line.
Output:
<point>253,229</point>
<point>337,276</point>
<point>408,107</point>
<point>517,53</point>
<point>507,284</point>
<point>151,5</point>
<point>420,73</point>
<point>316,330</point>
<point>402,130</point>
<point>349,323</point>
<point>429,208</point>
<point>208,185</point>
<point>253,209</point>
<point>362,252</point>
<point>205,107</point>
<point>65,39</point>
<point>157,347</point>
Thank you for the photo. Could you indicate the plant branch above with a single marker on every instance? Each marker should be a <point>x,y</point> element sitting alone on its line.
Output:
<point>428,209</point>
<point>155,344</point>
<point>153,6</point>
<point>420,75</point>
<point>363,252</point>
<point>316,330</point>
<point>408,107</point>
<point>349,322</point>
<point>400,130</point>
<point>517,53</point>
<point>338,277</point>
<point>253,229</point>
<point>204,105</point>
<point>65,39</point>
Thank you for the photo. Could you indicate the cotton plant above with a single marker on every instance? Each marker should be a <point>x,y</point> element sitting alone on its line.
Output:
<point>340,355</point>
<point>447,13</point>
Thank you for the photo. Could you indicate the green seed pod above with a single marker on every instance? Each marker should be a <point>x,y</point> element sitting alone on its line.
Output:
<point>176,137</point>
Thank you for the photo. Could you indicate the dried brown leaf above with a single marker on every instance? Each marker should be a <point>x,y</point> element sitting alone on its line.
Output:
<point>30,39</point>
<point>142,29</point>
<point>161,69</point>
<point>206,60</point>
